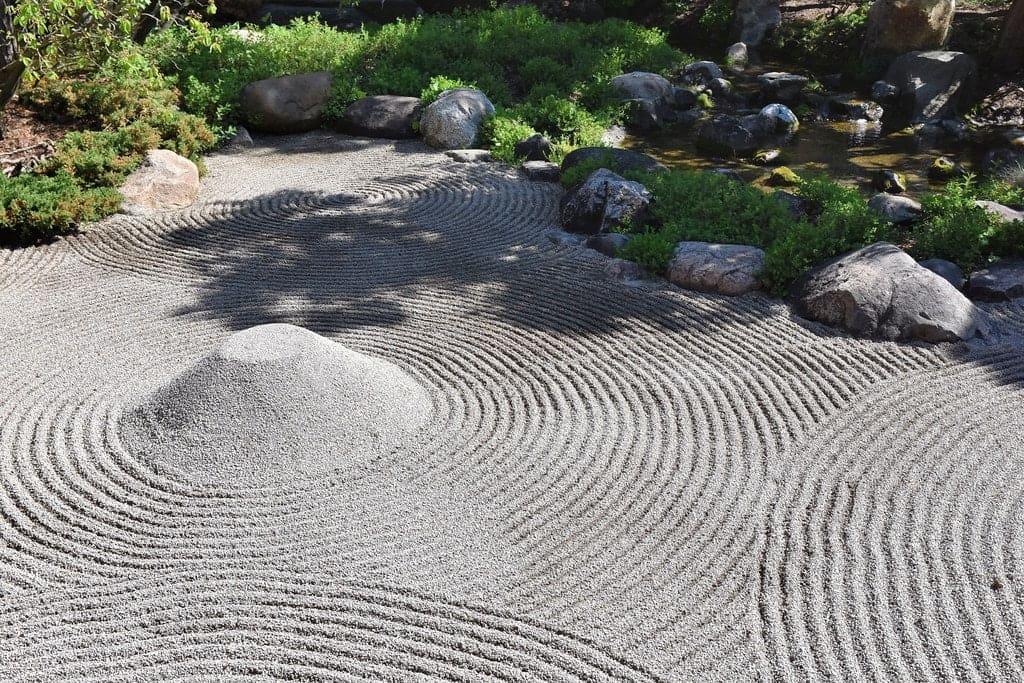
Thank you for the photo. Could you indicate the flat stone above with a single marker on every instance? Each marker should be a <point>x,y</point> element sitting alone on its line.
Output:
<point>626,271</point>
<point>848,108</point>
<point>896,208</point>
<point>1001,281</point>
<point>608,243</point>
<point>464,156</point>
<point>542,171</point>
<point>781,86</point>
<point>934,84</point>
<point>702,73</point>
<point>730,269</point>
<point>165,181</point>
<point>1004,213</point>
<point>881,292</point>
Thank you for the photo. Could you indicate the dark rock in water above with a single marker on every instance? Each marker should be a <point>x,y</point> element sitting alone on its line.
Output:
<point>832,81</point>
<point>933,85</point>
<point>608,243</point>
<point>684,98</point>
<point>382,116</point>
<point>881,292</point>
<point>603,202</point>
<point>782,119</point>
<point>947,270</point>
<point>701,73</point>
<point>782,176</point>
<point>1001,281</point>
<point>645,115</point>
<point>942,168</point>
<point>889,181</point>
<point>848,108</point>
<point>288,104</point>
<point>534,148</point>
<point>730,269</point>
<point>780,86</point>
<point>618,160</point>
<point>542,171</point>
<point>884,92</point>
<point>896,208</point>
<point>734,136</point>
<point>797,206</point>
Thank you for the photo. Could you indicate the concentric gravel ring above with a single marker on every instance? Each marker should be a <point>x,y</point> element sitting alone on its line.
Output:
<point>604,462</point>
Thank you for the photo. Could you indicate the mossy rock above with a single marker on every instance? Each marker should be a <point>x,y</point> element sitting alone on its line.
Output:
<point>942,168</point>
<point>783,176</point>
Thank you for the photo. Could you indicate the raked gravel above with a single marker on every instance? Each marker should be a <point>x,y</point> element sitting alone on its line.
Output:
<point>573,478</point>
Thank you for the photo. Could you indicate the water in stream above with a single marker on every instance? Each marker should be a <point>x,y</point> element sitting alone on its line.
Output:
<point>848,152</point>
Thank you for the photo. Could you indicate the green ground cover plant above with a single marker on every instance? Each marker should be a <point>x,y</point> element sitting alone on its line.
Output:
<point>547,76</point>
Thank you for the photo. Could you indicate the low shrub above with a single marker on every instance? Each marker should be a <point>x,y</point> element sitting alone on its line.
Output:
<point>36,207</point>
<point>842,222</point>
<point>439,84</point>
<point>502,131</point>
<point>829,44</point>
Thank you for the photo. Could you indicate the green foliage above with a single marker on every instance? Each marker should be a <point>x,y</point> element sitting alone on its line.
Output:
<point>955,228</point>
<point>717,19</point>
<point>35,207</point>
<point>554,77</point>
<point>652,249</point>
<point>843,223</point>
<point>709,207</point>
<point>501,132</point>
<point>831,43</point>
<point>59,38</point>
<point>578,173</point>
<point>438,84</point>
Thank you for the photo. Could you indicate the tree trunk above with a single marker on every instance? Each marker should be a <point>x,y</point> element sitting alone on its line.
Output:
<point>11,67</point>
<point>1010,54</point>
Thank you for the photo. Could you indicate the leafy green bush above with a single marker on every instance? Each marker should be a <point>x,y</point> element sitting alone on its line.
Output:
<point>652,249</point>
<point>843,222</point>
<point>35,207</point>
<point>554,77</point>
<point>954,228</point>
<point>709,207</point>
<point>438,84</point>
<point>502,131</point>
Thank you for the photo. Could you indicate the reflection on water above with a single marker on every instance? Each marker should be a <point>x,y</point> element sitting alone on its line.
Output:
<point>848,152</point>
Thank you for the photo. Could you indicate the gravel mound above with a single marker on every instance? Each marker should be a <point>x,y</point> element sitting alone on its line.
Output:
<point>272,402</point>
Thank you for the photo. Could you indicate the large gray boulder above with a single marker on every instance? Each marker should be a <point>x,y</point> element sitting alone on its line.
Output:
<point>879,291</point>
<point>453,120</point>
<point>1001,281</point>
<point>730,269</point>
<point>781,118</point>
<point>288,104</point>
<point>933,85</point>
<point>382,116</point>
<point>701,73</point>
<point>165,181</point>
<point>620,160</point>
<point>735,136</point>
<point>898,26</point>
<point>782,86</point>
<point>947,270</point>
<point>602,202</point>
<point>642,85</point>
